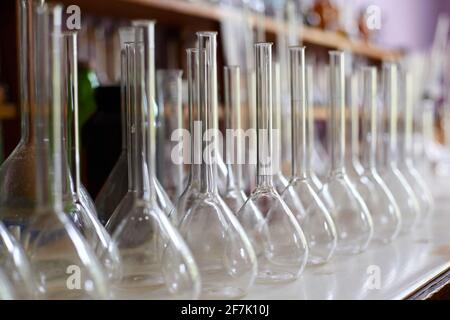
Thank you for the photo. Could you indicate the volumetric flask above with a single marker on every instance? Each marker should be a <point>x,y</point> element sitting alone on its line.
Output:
<point>350,214</point>
<point>156,263</point>
<point>394,179</point>
<point>276,236</point>
<point>300,195</point>
<point>220,247</point>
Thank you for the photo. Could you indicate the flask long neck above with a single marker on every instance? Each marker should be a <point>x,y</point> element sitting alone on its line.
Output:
<point>47,100</point>
<point>194,115</point>
<point>208,107</point>
<point>337,112</point>
<point>233,126</point>
<point>369,119</point>
<point>300,141</point>
<point>391,112</point>
<point>265,165</point>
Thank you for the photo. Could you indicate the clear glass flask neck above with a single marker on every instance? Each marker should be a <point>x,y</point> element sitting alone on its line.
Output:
<point>265,166</point>
<point>300,127</point>
<point>369,119</point>
<point>336,122</point>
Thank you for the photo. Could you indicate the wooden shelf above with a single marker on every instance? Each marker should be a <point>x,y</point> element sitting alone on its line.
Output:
<point>202,15</point>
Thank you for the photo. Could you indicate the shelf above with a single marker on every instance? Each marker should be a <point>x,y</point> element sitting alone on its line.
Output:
<point>405,266</point>
<point>202,15</point>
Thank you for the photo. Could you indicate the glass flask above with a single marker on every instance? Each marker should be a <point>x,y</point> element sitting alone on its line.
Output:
<point>186,199</point>
<point>156,262</point>
<point>406,164</point>
<point>394,179</point>
<point>235,196</point>
<point>169,122</point>
<point>220,246</point>
<point>77,202</point>
<point>350,214</point>
<point>55,248</point>
<point>152,185</point>
<point>116,185</point>
<point>300,196</point>
<point>383,208</point>
<point>279,180</point>
<point>316,183</point>
<point>15,266</point>
<point>276,236</point>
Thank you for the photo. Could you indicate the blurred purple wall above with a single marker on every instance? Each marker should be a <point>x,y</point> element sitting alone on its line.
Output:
<point>409,24</point>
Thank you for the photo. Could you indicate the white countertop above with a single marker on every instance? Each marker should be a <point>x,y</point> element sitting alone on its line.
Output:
<point>391,271</point>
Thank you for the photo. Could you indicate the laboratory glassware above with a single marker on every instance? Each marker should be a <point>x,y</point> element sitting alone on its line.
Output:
<point>77,202</point>
<point>350,214</point>
<point>186,199</point>
<point>156,263</point>
<point>352,155</point>
<point>279,180</point>
<point>15,266</point>
<point>152,185</point>
<point>382,205</point>
<point>300,196</point>
<point>169,127</point>
<point>235,196</point>
<point>222,250</point>
<point>63,265</point>
<point>406,164</point>
<point>316,183</point>
<point>7,291</point>
<point>116,185</point>
<point>276,236</point>
<point>392,176</point>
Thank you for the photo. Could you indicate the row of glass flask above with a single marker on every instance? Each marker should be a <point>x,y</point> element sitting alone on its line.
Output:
<point>202,241</point>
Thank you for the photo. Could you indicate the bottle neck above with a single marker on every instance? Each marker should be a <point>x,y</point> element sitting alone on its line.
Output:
<point>265,166</point>
<point>300,141</point>
<point>337,113</point>
<point>208,108</point>
<point>369,119</point>
<point>233,126</point>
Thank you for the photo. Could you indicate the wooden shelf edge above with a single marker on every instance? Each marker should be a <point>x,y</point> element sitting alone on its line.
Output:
<point>183,12</point>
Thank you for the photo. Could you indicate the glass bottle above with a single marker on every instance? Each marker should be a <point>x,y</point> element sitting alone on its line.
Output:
<point>235,196</point>
<point>54,246</point>
<point>156,263</point>
<point>316,182</point>
<point>169,122</point>
<point>220,246</point>
<point>275,234</point>
<point>383,208</point>
<point>186,199</point>
<point>406,164</point>
<point>279,180</point>
<point>15,266</point>
<point>394,179</point>
<point>350,214</point>
<point>116,185</point>
<point>77,202</point>
<point>300,196</point>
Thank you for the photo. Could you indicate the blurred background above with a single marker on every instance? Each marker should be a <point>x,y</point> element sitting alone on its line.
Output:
<point>413,33</point>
